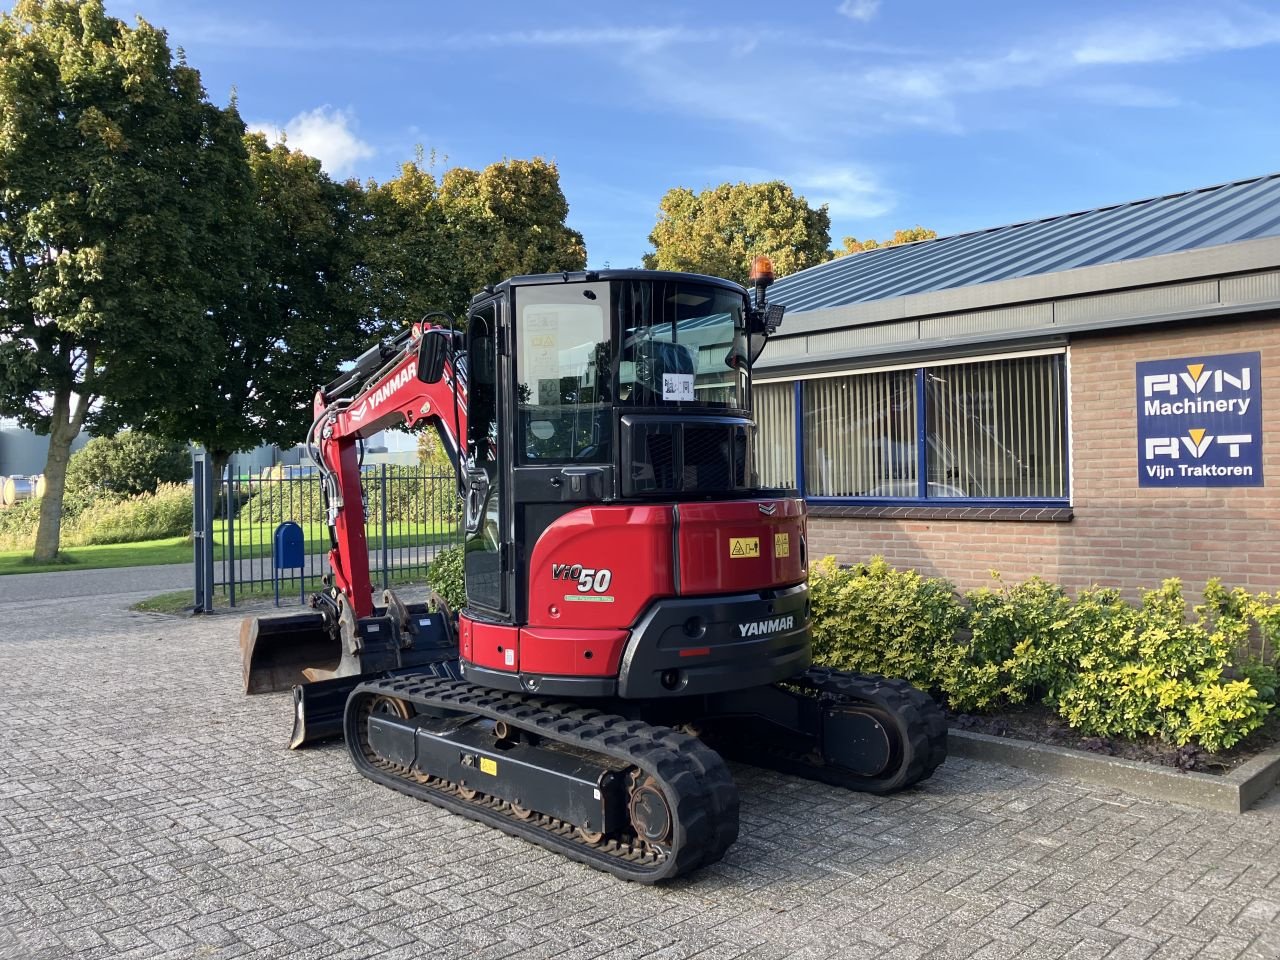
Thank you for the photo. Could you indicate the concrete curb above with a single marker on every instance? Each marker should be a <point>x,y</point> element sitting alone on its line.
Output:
<point>1233,792</point>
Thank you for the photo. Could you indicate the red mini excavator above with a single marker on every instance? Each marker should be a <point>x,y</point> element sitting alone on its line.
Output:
<point>636,603</point>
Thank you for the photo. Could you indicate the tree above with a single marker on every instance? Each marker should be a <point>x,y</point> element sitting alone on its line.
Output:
<point>114,176</point>
<point>853,245</point>
<point>433,244</point>
<point>507,220</point>
<point>406,253</point>
<point>718,231</point>
<point>291,316</point>
<point>129,463</point>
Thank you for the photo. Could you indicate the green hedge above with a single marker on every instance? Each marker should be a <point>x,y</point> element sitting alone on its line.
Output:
<point>411,498</point>
<point>105,519</point>
<point>445,576</point>
<point>1109,668</point>
<point>147,516</point>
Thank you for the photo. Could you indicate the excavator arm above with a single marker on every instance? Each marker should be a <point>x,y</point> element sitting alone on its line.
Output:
<point>382,390</point>
<point>346,635</point>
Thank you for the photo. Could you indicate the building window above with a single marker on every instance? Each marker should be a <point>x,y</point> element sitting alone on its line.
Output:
<point>982,430</point>
<point>775,410</point>
<point>996,429</point>
<point>860,435</point>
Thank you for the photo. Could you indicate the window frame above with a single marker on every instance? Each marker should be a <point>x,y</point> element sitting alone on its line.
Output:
<point>922,498</point>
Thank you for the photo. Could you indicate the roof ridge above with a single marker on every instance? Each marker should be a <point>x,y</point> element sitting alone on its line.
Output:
<point>1104,207</point>
<point>1188,219</point>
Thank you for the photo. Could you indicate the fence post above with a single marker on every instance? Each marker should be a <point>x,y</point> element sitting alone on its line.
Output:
<point>231,540</point>
<point>202,529</point>
<point>386,572</point>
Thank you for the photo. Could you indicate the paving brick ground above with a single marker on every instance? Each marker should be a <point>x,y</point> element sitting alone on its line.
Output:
<point>147,810</point>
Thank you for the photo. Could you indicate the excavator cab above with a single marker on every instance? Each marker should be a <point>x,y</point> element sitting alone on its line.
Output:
<point>617,537</point>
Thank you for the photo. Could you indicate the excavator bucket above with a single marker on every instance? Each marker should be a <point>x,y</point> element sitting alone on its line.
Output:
<point>280,652</point>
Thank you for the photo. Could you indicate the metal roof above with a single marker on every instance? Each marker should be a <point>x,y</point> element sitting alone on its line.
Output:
<point>1207,217</point>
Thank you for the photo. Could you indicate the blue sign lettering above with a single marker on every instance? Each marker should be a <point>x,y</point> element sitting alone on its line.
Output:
<point>1200,421</point>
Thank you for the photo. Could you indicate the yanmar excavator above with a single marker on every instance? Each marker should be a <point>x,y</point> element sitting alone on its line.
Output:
<point>636,603</point>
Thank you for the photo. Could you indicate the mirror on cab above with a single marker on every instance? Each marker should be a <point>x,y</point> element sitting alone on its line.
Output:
<point>433,350</point>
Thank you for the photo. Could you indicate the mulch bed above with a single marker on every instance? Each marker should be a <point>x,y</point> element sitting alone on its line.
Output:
<point>1042,725</point>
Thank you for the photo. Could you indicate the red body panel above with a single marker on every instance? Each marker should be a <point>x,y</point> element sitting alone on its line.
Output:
<point>716,545</point>
<point>489,645</point>
<point>600,567</point>
<point>595,571</point>
<point>572,653</point>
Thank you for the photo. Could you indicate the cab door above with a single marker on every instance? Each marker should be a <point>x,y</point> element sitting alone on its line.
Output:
<point>486,513</point>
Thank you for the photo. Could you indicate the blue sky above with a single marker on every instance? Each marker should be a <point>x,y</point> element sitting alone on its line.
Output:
<point>955,116</point>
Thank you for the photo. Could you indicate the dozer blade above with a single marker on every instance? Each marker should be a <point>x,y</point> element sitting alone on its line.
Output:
<point>279,652</point>
<point>319,707</point>
<point>318,710</point>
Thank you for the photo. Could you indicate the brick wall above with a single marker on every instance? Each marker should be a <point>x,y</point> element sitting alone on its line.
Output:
<point>1120,535</point>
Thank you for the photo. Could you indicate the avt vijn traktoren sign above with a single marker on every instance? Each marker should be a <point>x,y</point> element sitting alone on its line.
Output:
<point>1200,421</point>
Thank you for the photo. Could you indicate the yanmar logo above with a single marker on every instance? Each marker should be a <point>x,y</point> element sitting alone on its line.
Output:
<point>760,627</point>
<point>374,400</point>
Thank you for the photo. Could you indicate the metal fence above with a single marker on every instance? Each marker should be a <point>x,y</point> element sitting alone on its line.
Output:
<point>410,515</point>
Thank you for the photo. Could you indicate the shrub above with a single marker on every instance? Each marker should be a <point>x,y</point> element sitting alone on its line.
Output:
<point>872,618</point>
<point>147,516</point>
<point>445,576</point>
<point>411,498</point>
<point>18,525</point>
<point>1108,667</point>
<point>1164,675</point>
<point>129,463</point>
<point>1014,649</point>
<point>270,501</point>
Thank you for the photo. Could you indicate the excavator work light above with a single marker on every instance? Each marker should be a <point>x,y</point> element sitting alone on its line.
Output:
<point>761,271</point>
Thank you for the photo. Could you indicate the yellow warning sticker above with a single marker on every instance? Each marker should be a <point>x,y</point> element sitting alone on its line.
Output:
<point>782,544</point>
<point>744,546</point>
<point>489,766</point>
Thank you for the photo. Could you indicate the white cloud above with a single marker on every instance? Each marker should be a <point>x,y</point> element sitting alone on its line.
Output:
<point>324,133</point>
<point>634,38</point>
<point>849,191</point>
<point>863,10</point>
<point>1176,38</point>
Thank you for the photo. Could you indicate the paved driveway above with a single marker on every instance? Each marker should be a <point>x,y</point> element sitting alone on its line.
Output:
<point>147,809</point>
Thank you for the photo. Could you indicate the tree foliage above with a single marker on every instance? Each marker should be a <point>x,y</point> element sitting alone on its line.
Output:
<point>292,311</point>
<point>129,463</point>
<point>719,230</point>
<point>434,243</point>
<point>853,245</point>
<point>115,173</point>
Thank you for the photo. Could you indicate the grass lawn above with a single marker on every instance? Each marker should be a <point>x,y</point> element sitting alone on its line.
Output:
<point>252,540</point>
<point>171,550</point>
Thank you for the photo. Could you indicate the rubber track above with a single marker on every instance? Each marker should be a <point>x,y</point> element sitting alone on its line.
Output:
<point>924,749</point>
<point>697,783</point>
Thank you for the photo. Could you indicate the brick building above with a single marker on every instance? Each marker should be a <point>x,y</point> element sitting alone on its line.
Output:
<point>1080,397</point>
